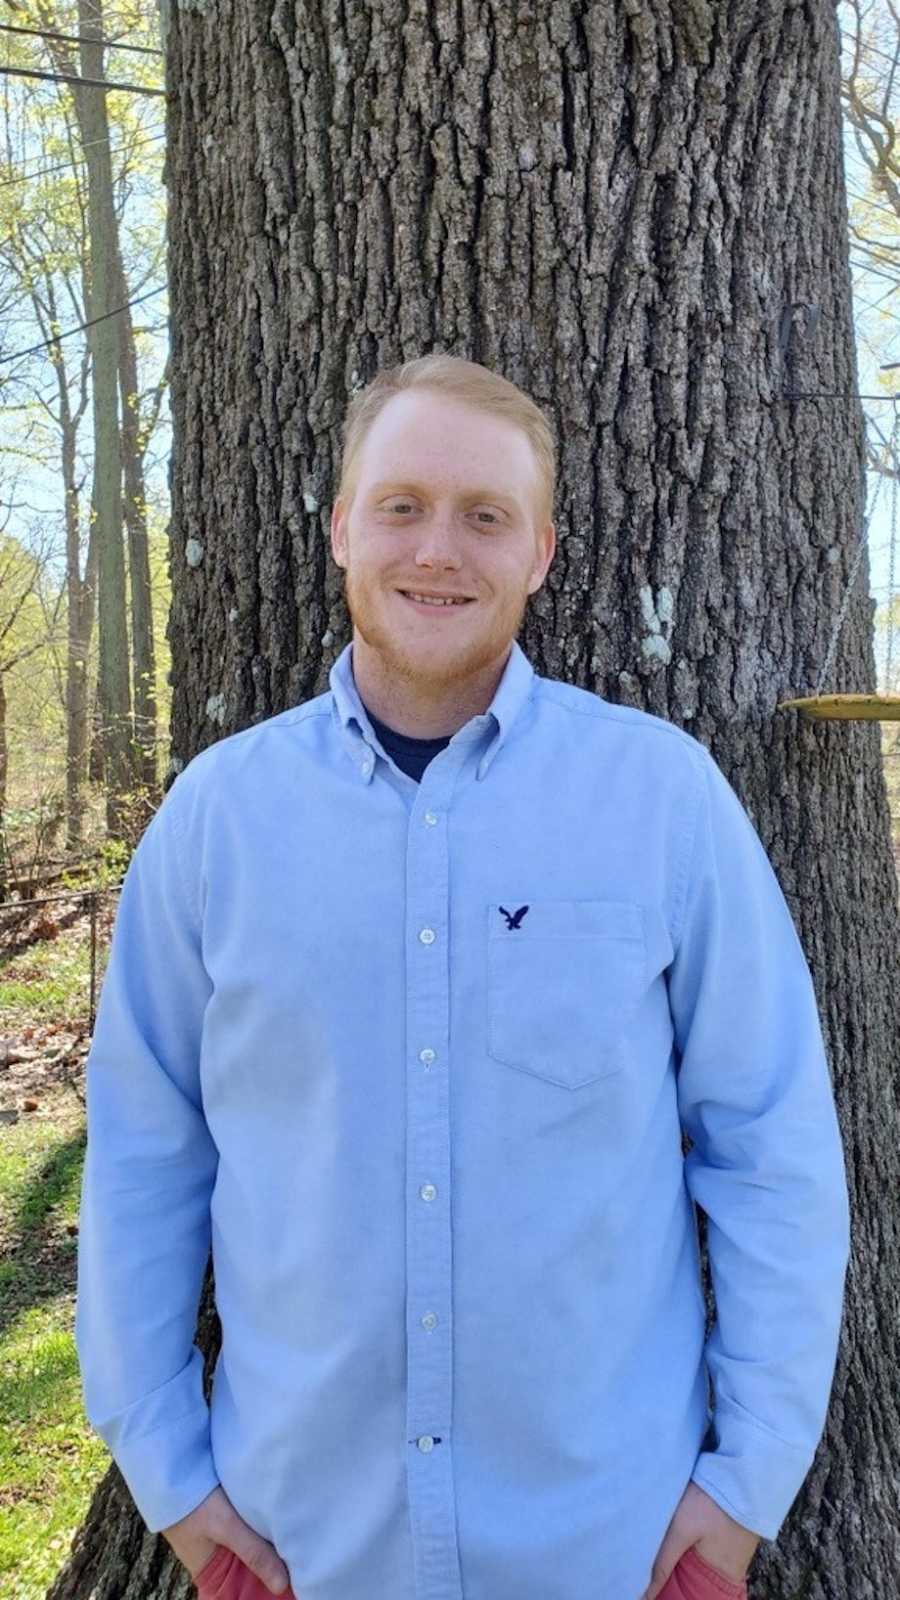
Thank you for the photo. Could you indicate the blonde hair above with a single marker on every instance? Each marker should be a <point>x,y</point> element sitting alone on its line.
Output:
<point>472,385</point>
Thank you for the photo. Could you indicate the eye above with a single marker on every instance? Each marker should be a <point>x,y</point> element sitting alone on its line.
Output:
<point>400,505</point>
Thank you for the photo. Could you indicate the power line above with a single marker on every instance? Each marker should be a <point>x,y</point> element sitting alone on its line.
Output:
<point>44,344</point>
<point>876,305</point>
<point>74,77</point>
<point>79,38</point>
<point>880,302</point>
<point>43,172</point>
<point>823,394</point>
<point>86,146</point>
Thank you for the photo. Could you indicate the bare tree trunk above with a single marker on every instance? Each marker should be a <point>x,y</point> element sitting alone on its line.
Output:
<point>96,763</point>
<point>4,748</point>
<point>44,300</point>
<point>80,623</point>
<point>104,341</point>
<point>76,703</point>
<point>143,655</point>
<point>4,762</point>
<point>613,206</point>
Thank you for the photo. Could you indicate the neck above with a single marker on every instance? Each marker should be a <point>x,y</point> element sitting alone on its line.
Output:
<point>422,708</point>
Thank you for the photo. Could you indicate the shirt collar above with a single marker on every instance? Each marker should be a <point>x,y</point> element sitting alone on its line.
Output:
<point>510,696</point>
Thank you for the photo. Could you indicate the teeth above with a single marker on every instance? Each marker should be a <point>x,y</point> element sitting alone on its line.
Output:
<point>424,600</point>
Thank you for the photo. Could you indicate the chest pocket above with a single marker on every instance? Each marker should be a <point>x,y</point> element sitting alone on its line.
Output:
<point>564,979</point>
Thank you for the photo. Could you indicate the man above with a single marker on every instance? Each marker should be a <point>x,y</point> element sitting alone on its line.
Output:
<point>412,990</point>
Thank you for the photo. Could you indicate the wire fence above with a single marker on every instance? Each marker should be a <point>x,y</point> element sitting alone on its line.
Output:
<point>22,927</point>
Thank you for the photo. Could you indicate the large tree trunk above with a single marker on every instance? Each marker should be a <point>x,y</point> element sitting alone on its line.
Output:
<point>613,206</point>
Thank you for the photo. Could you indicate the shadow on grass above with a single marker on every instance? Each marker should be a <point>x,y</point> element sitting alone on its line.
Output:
<point>41,1264</point>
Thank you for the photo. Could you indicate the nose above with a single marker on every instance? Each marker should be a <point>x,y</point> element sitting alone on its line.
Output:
<point>437,547</point>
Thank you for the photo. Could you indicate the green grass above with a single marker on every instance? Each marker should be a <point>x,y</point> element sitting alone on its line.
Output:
<point>50,1461</point>
<point>48,981</point>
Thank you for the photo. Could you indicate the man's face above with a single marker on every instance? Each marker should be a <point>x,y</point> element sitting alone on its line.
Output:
<point>445,503</point>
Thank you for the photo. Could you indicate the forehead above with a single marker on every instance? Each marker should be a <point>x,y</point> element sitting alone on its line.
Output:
<point>435,445</point>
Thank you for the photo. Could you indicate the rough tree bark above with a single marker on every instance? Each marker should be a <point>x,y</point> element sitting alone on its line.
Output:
<point>613,205</point>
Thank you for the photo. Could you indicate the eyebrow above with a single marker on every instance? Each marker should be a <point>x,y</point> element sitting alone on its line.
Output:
<point>404,486</point>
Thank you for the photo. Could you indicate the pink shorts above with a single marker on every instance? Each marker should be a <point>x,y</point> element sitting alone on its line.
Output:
<point>226,1578</point>
<point>692,1578</point>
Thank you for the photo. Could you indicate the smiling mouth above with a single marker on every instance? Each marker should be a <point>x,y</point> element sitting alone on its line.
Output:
<point>423,605</point>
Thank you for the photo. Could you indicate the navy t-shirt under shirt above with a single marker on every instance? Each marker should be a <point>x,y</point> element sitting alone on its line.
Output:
<point>411,755</point>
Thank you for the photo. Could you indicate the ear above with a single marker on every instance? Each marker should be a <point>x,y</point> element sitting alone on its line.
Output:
<point>338,532</point>
<point>546,549</point>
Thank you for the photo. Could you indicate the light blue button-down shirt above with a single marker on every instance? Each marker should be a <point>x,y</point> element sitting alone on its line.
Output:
<point>414,1059</point>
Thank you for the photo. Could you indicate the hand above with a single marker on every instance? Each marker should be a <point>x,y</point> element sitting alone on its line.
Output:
<point>699,1520</point>
<point>214,1522</point>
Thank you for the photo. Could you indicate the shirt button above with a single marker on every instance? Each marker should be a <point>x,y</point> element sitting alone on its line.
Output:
<point>427,1056</point>
<point>367,764</point>
<point>430,818</point>
<point>429,1320</point>
<point>428,1191</point>
<point>425,1442</point>
<point>427,936</point>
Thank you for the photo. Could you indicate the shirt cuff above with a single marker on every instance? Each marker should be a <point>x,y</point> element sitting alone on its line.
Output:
<point>161,1445</point>
<point>752,1474</point>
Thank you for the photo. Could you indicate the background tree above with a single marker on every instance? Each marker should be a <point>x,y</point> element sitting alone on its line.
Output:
<point>29,623</point>
<point>64,256</point>
<point>613,206</point>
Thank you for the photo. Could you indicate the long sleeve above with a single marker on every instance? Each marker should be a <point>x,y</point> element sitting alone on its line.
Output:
<point>766,1165</point>
<point>150,1166</point>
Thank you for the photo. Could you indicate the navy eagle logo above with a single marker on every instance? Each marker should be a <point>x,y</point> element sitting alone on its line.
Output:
<point>514,920</point>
